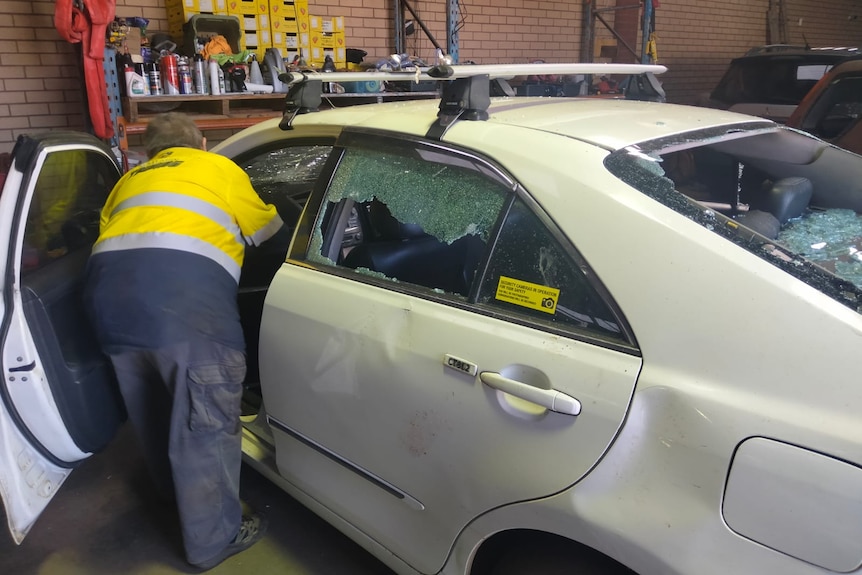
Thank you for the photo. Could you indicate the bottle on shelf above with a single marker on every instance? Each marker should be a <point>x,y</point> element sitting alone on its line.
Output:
<point>214,70</point>
<point>201,75</point>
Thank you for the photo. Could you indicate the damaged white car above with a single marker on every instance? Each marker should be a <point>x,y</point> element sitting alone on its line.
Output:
<point>527,336</point>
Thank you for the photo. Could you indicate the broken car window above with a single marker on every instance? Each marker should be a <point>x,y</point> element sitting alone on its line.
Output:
<point>788,198</point>
<point>410,215</point>
<point>285,177</point>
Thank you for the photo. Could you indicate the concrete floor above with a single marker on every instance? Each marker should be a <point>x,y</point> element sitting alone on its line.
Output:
<point>106,521</point>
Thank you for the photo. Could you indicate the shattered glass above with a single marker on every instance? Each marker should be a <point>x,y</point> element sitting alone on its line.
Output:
<point>285,177</point>
<point>447,201</point>
<point>834,272</point>
<point>832,238</point>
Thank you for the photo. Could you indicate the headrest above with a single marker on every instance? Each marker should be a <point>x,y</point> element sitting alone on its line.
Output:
<point>786,199</point>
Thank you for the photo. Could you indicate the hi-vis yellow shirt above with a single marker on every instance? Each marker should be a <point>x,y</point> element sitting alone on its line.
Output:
<point>189,200</point>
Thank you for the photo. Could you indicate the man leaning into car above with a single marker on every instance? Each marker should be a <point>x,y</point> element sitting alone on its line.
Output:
<point>161,293</point>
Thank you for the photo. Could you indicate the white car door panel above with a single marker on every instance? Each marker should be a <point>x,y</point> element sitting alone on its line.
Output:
<point>362,353</point>
<point>59,398</point>
<point>373,377</point>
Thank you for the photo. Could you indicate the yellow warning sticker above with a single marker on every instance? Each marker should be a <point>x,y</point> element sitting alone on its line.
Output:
<point>526,294</point>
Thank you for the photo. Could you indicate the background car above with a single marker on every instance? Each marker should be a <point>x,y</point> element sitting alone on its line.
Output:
<point>770,81</point>
<point>832,108</point>
<point>580,335</point>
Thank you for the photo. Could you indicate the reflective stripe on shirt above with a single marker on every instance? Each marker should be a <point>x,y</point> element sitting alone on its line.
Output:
<point>170,241</point>
<point>265,232</point>
<point>183,202</point>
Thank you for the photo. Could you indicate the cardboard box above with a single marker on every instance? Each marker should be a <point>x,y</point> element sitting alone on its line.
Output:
<point>320,24</point>
<point>318,39</point>
<point>288,41</point>
<point>282,9</point>
<point>301,7</point>
<point>237,7</point>
<point>254,22</point>
<point>191,7</point>
<point>284,26</point>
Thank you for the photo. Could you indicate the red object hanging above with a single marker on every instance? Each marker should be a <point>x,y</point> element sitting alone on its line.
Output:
<point>88,25</point>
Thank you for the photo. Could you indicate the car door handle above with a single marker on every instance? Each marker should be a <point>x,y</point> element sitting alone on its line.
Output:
<point>548,398</point>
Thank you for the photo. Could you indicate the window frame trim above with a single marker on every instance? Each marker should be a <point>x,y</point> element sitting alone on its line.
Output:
<point>365,138</point>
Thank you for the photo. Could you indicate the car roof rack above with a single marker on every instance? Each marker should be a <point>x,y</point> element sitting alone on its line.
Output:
<point>465,93</point>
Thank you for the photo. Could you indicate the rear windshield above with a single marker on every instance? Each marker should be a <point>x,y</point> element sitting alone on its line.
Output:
<point>786,197</point>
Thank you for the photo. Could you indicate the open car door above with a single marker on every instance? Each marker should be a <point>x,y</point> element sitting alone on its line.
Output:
<point>58,400</point>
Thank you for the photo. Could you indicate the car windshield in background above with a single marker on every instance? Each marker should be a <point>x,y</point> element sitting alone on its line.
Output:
<point>833,107</point>
<point>785,197</point>
<point>776,80</point>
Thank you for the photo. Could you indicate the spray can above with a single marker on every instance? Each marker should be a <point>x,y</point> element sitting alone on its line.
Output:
<point>155,79</point>
<point>215,90</point>
<point>201,79</point>
<point>141,72</point>
<point>185,75</point>
<point>170,74</point>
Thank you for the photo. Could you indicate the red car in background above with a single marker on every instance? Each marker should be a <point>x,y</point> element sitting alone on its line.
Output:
<point>832,109</point>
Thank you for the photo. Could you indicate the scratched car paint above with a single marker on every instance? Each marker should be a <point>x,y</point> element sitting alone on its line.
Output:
<point>592,336</point>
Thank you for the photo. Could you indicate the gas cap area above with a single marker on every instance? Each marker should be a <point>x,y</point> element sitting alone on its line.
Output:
<point>796,501</point>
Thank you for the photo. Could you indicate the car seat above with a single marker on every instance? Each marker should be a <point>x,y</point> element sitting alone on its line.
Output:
<point>406,253</point>
<point>786,199</point>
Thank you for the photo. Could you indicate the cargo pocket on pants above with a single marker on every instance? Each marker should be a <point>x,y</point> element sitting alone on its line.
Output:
<point>215,396</point>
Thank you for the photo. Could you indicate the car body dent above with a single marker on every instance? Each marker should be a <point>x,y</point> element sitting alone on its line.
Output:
<point>694,403</point>
<point>459,428</point>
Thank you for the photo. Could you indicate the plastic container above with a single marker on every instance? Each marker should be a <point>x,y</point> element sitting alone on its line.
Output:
<point>203,27</point>
<point>136,85</point>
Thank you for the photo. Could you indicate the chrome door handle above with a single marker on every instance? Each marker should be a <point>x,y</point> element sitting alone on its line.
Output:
<point>548,398</point>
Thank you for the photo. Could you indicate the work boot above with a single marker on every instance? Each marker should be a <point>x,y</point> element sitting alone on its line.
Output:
<point>251,531</point>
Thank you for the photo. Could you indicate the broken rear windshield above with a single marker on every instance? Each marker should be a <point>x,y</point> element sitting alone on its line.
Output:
<point>788,198</point>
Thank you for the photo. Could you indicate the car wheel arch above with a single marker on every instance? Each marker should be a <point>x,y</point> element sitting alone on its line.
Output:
<point>534,552</point>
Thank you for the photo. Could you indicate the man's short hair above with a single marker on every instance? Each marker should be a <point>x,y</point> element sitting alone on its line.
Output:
<point>171,130</point>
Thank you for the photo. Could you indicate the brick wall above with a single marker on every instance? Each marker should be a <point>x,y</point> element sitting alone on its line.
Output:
<point>41,81</point>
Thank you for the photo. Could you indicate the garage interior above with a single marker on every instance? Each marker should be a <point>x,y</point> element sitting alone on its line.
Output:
<point>105,520</point>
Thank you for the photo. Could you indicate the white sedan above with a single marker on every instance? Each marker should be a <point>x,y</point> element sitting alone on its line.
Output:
<point>578,336</point>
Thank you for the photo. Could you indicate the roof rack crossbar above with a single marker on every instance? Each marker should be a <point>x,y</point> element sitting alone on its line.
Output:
<point>462,99</point>
<point>303,97</point>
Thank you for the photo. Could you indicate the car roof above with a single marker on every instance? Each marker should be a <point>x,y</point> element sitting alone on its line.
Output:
<point>609,123</point>
<point>854,65</point>
<point>826,53</point>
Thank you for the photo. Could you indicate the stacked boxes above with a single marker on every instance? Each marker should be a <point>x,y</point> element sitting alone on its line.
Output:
<point>254,19</point>
<point>180,11</point>
<point>283,24</point>
<point>289,25</point>
<point>327,39</point>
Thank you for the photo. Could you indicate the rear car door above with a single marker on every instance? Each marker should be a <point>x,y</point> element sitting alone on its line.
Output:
<point>58,400</point>
<point>435,348</point>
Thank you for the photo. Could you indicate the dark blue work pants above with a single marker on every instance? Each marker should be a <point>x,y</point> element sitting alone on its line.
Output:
<point>184,402</point>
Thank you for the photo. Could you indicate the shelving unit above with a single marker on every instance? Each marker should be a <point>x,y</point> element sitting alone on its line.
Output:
<point>232,111</point>
<point>227,105</point>
<point>235,106</point>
